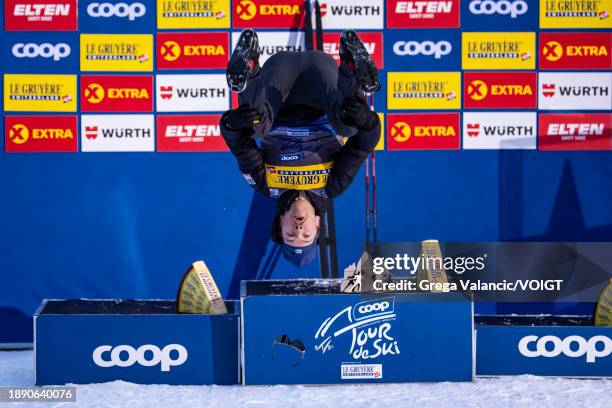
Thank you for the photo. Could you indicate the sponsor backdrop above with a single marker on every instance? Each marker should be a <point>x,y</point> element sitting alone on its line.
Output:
<point>116,175</point>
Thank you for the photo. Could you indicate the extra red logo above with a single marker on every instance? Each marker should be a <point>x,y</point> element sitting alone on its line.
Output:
<point>116,93</point>
<point>578,131</point>
<point>268,14</point>
<point>190,133</point>
<point>501,90</point>
<point>434,131</point>
<point>576,51</point>
<point>373,42</point>
<point>192,50</point>
<point>422,14</point>
<point>40,134</point>
<point>40,15</point>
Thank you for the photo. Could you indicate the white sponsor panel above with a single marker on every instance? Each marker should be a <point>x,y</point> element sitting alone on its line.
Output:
<point>117,133</point>
<point>343,14</point>
<point>575,91</point>
<point>572,346</point>
<point>499,130</point>
<point>272,42</point>
<point>192,93</point>
<point>125,356</point>
<point>361,371</point>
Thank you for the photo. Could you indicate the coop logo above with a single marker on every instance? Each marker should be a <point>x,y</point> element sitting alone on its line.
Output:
<point>35,15</point>
<point>423,131</point>
<point>424,90</point>
<point>498,51</point>
<point>372,41</point>
<point>193,13</point>
<point>427,48</point>
<point>574,14</point>
<point>343,14</point>
<point>192,93</point>
<point>192,50</point>
<point>500,90</point>
<point>422,14</point>
<point>499,130</point>
<point>45,50</point>
<point>577,131</point>
<point>190,133</point>
<point>513,9</point>
<point>575,51</point>
<point>116,52</point>
<point>40,134</point>
<point>117,133</point>
<point>269,14</point>
<point>130,11</point>
<point>54,93</point>
<point>271,42</point>
<point>116,93</point>
<point>147,355</point>
<point>369,324</point>
<point>572,91</point>
<point>571,346</point>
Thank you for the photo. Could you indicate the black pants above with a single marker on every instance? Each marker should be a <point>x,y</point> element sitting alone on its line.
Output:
<point>310,78</point>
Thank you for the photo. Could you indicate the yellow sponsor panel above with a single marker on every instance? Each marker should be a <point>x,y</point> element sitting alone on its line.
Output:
<point>298,177</point>
<point>381,142</point>
<point>193,13</point>
<point>40,93</point>
<point>575,14</point>
<point>498,51</point>
<point>116,52</point>
<point>424,90</point>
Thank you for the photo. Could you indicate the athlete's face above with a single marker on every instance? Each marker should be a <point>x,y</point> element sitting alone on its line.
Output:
<point>299,224</point>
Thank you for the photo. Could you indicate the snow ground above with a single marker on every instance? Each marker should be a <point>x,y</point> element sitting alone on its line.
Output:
<point>16,368</point>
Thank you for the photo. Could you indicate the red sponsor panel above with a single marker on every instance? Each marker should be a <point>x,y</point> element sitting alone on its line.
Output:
<point>40,134</point>
<point>268,14</point>
<point>373,42</point>
<point>192,50</point>
<point>429,131</point>
<point>40,15</point>
<point>576,131</point>
<point>576,50</point>
<point>117,93</point>
<point>500,90</point>
<point>190,133</point>
<point>422,14</point>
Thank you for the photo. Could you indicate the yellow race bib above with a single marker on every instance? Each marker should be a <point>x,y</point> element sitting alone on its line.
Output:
<point>298,177</point>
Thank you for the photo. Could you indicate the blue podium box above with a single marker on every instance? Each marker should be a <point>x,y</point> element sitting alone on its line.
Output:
<point>557,346</point>
<point>306,332</point>
<point>145,342</point>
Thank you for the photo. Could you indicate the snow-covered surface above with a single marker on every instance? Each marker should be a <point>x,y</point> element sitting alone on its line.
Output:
<point>16,368</point>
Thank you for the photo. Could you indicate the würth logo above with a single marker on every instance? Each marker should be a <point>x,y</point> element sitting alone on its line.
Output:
<point>548,90</point>
<point>473,129</point>
<point>166,92</point>
<point>91,132</point>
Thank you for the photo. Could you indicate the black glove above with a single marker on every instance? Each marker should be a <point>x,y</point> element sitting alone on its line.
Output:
<point>241,118</point>
<point>355,112</point>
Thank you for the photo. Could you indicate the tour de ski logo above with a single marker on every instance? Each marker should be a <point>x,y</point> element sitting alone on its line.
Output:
<point>368,323</point>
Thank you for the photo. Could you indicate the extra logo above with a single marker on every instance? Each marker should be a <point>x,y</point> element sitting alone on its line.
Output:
<point>433,131</point>
<point>268,14</point>
<point>573,91</point>
<point>272,42</point>
<point>576,51</point>
<point>571,346</point>
<point>576,14</point>
<point>40,93</point>
<point>40,134</point>
<point>35,15</point>
<point>117,133</point>
<point>370,325</point>
<point>499,90</point>
<point>116,52</point>
<point>129,11</point>
<point>192,50</point>
<point>118,93</point>
<point>422,14</point>
<point>193,13</point>
<point>342,14</point>
<point>190,133</point>
<point>372,41</point>
<point>492,51</point>
<point>576,131</point>
<point>192,93</point>
<point>424,90</point>
<point>499,130</point>
<point>147,355</point>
